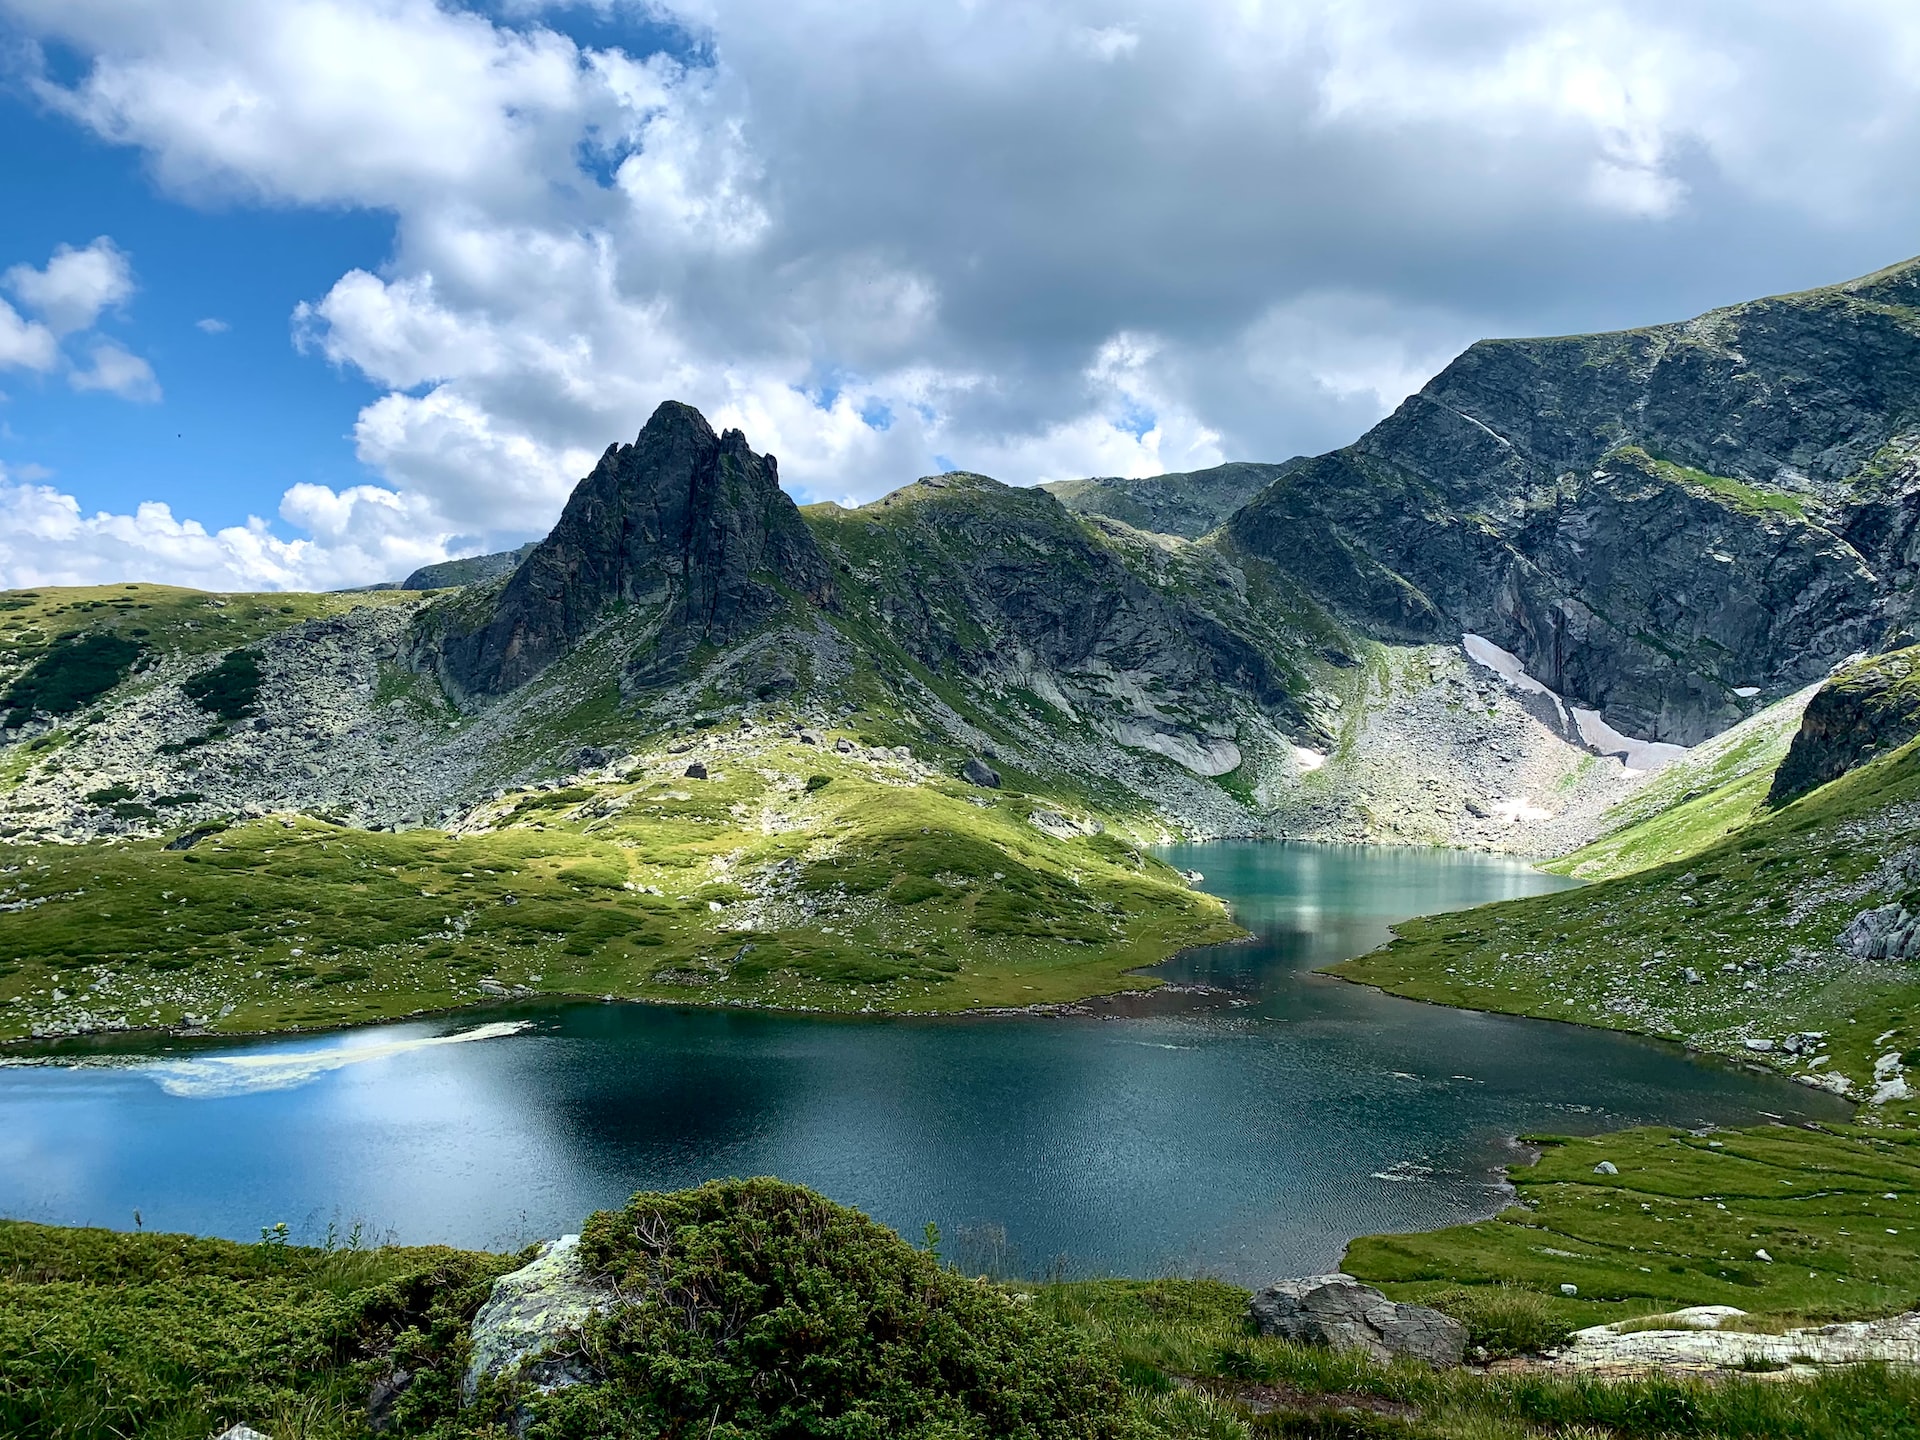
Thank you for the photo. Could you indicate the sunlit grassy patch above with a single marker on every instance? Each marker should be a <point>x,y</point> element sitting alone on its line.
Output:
<point>752,886</point>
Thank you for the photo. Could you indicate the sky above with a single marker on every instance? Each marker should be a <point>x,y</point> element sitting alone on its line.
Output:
<point>306,293</point>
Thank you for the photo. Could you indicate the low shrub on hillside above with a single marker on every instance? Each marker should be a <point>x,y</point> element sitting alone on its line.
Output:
<point>76,671</point>
<point>230,689</point>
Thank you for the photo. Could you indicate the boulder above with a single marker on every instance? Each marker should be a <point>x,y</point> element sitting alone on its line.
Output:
<point>977,772</point>
<point>1887,932</point>
<point>1338,1311</point>
<point>529,1311</point>
<point>242,1432</point>
<point>696,771</point>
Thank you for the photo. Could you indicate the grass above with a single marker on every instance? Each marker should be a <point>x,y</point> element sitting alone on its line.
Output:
<point>1194,1365</point>
<point>1736,942</point>
<point>757,886</point>
<point>1682,1223</point>
<point>105,1335</point>
<point>1752,500</point>
<point>165,618</point>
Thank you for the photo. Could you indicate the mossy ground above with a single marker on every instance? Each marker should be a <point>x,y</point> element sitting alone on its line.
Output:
<point>1735,942</point>
<point>105,1335</point>
<point>803,879</point>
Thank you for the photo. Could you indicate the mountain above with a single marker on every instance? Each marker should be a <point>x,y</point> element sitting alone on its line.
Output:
<point>684,523</point>
<point>702,741</point>
<point>473,570</point>
<point>1672,526</point>
<point>1187,504</point>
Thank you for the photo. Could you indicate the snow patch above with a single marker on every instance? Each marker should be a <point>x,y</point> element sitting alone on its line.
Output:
<point>1307,761</point>
<point>1641,756</point>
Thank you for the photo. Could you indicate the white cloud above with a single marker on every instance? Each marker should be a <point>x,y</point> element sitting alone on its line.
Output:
<point>46,539</point>
<point>117,371</point>
<point>25,344</point>
<point>1036,240</point>
<point>75,286</point>
<point>212,325</point>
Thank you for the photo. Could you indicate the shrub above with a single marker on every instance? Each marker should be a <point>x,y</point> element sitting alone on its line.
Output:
<point>74,673</point>
<point>759,1309</point>
<point>230,689</point>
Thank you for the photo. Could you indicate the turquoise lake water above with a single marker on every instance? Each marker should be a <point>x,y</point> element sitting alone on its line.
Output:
<point>1248,1132</point>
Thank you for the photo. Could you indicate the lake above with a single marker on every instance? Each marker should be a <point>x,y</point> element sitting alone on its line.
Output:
<point>1248,1131</point>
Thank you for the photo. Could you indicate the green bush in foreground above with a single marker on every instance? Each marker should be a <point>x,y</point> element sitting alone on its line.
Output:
<point>759,1309</point>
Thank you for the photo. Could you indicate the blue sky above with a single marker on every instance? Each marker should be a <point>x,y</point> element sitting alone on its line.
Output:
<point>243,414</point>
<point>457,251</point>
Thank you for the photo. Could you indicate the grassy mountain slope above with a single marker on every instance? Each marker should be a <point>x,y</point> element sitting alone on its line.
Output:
<point>1694,802</point>
<point>793,875</point>
<point>1737,942</point>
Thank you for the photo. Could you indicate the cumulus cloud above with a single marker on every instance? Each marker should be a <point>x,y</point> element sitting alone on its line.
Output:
<point>69,294</point>
<point>1037,241</point>
<point>212,325</point>
<point>118,371</point>
<point>47,539</point>
<point>75,286</point>
<point>26,345</point>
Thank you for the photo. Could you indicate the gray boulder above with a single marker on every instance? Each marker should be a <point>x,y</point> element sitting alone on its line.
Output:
<point>977,772</point>
<point>1338,1311</point>
<point>532,1309</point>
<point>1888,932</point>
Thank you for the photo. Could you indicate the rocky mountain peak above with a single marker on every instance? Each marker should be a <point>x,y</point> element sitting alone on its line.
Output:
<point>687,524</point>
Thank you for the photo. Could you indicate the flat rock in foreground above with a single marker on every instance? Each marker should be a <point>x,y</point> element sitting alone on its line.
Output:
<point>1701,1341</point>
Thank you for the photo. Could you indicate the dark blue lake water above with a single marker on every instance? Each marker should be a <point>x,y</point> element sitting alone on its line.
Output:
<point>1247,1135</point>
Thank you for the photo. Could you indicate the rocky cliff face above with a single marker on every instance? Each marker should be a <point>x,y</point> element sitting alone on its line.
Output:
<point>1157,644</point>
<point>1655,521</point>
<point>1869,709</point>
<point>690,526</point>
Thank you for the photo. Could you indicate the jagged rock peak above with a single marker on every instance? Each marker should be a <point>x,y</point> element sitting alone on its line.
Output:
<point>683,522</point>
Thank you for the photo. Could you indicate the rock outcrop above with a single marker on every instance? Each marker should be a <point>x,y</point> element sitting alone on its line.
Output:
<point>532,1310</point>
<point>1870,708</point>
<point>472,570</point>
<point>689,526</point>
<point>1669,525</point>
<point>1886,932</point>
<point>1340,1312</point>
<point>1707,1340</point>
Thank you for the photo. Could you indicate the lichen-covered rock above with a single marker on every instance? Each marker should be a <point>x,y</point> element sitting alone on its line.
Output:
<point>1706,1339</point>
<point>1338,1311</point>
<point>533,1309</point>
